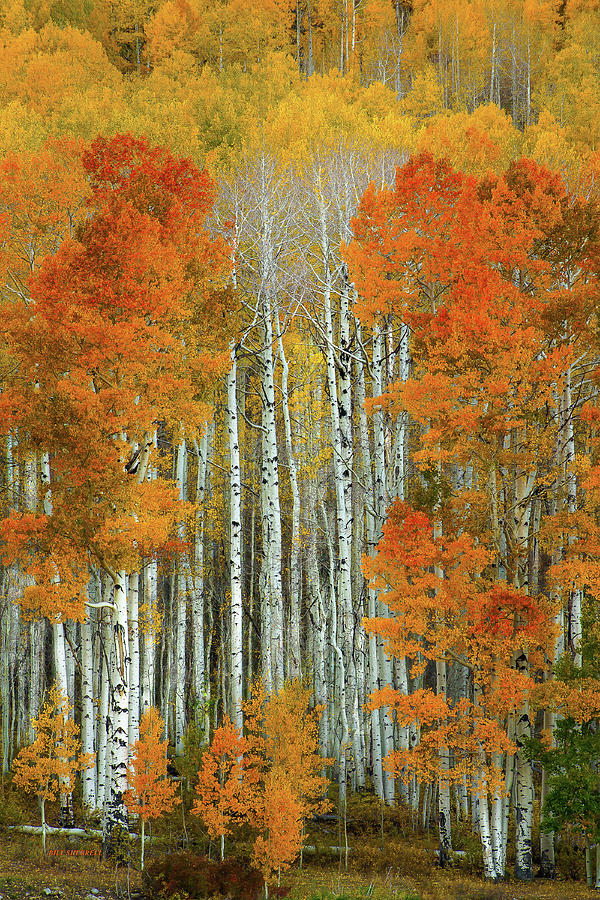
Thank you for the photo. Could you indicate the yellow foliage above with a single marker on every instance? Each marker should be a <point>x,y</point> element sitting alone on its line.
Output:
<point>475,143</point>
<point>548,142</point>
<point>425,97</point>
<point>51,761</point>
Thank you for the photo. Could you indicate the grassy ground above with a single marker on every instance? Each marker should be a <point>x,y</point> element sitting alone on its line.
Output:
<point>26,875</point>
<point>390,864</point>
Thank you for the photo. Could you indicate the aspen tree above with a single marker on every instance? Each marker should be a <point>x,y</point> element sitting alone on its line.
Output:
<point>49,764</point>
<point>150,792</point>
<point>143,198</point>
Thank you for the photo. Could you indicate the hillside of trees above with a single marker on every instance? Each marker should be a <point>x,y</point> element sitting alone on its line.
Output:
<point>299,369</point>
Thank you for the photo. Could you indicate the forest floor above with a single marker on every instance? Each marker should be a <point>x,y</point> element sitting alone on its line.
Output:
<point>404,870</point>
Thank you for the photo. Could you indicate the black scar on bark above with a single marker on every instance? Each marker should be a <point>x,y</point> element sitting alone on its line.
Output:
<point>444,856</point>
<point>524,873</point>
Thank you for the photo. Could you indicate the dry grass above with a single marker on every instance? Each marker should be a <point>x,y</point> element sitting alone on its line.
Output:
<point>424,881</point>
<point>26,873</point>
<point>399,867</point>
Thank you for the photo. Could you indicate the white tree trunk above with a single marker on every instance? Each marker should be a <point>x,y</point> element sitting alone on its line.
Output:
<point>371,541</point>
<point>115,811</point>
<point>341,473</point>
<point>380,502</point>
<point>58,635</point>
<point>150,577</point>
<point>293,647</point>
<point>88,713</point>
<point>180,601</point>
<point>103,751</point>
<point>199,675</point>
<point>236,666</point>
<point>133,603</point>
<point>271,509</point>
<point>524,794</point>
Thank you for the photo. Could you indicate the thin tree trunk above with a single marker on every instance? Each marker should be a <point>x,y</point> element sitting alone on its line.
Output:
<point>199,677</point>
<point>293,654</point>
<point>133,601</point>
<point>115,812</point>
<point>236,667</point>
<point>180,600</point>
<point>371,541</point>
<point>88,714</point>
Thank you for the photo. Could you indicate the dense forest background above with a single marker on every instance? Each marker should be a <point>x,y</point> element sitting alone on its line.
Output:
<point>293,110</point>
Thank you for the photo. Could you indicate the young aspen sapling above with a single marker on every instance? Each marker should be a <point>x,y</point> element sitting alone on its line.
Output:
<point>49,764</point>
<point>150,792</point>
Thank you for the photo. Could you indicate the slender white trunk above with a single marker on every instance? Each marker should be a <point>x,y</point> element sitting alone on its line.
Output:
<point>70,649</point>
<point>103,750</point>
<point>115,811</point>
<point>35,627</point>
<point>150,575</point>
<point>568,455</point>
<point>341,461</point>
<point>380,502</point>
<point>88,713</point>
<point>500,802</point>
<point>7,664</point>
<point>271,512</point>
<point>444,824</point>
<point>198,657</point>
<point>371,540</point>
<point>524,794</point>
<point>396,488</point>
<point>318,615</point>
<point>133,602</point>
<point>180,600</point>
<point>236,667</point>
<point>493,72</point>
<point>36,655</point>
<point>58,635</point>
<point>150,588</point>
<point>293,648</point>
<point>489,866</point>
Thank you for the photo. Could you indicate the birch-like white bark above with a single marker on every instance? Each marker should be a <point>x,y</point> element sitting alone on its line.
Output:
<point>341,471</point>
<point>199,676</point>
<point>236,668</point>
<point>272,540</point>
<point>524,794</point>
<point>103,751</point>
<point>133,605</point>
<point>58,635</point>
<point>180,601</point>
<point>88,713</point>
<point>115,812</point>
<point>150,578</point>
<point>371,540</point>
<point>380,503</point>
<point>295,584</point>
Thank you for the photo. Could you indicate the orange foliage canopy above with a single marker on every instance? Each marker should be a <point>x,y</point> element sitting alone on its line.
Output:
<point>120,331</point>
<point>150,794</point>
<point>492,276</point>
<point>279,816</point>
<point>271,779</point>
<point>283,736</point>
<point>225,790</point>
